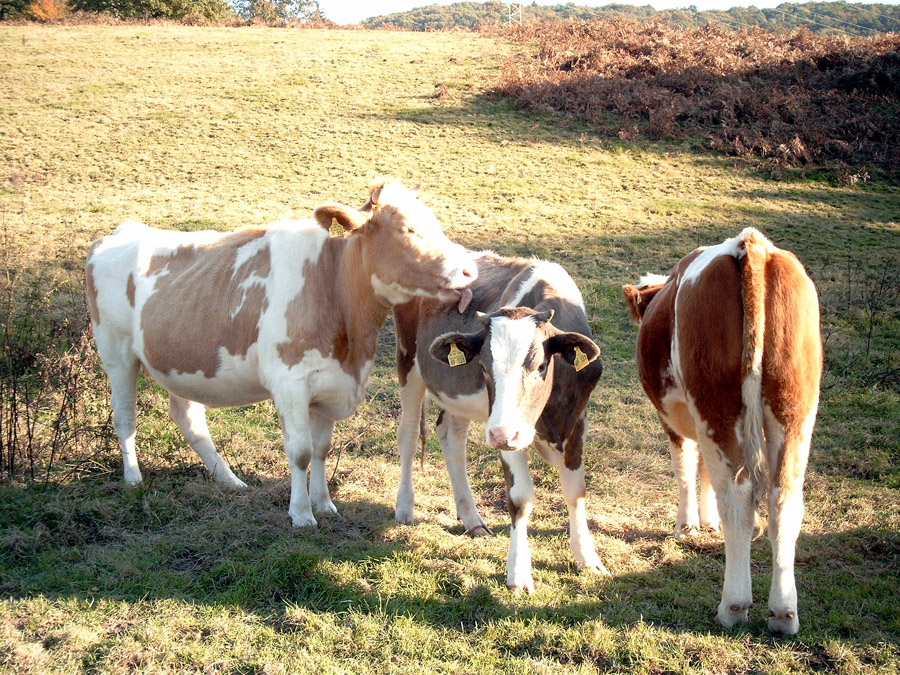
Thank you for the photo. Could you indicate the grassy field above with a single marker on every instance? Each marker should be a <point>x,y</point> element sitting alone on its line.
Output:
<point>195,128</point>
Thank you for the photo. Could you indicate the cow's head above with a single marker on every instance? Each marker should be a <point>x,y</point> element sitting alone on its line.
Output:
<point>516,348</point>
<point>405,252</point>
<point>639,295</point>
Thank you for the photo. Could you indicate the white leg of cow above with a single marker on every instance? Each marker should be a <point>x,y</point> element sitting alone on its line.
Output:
<point>709,513</point>
<point>520,500</point>
<point>411,396</point>
<point>785,517</point>
<point>573,489</point>
<point>298,446</point>
<point>190,417</point>
<point>684,463</point>
<point>123,377</point>
<point>321,430</point>
<point>736,509</point>
<point>453,432</point>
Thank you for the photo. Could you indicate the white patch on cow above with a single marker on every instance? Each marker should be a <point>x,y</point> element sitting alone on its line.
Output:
<point>235,383</point>
<point>652,280</point>
<point>554,276</point>
<point>334,393</point>
<point>243,254</point>
<point>510,342</point>
<point>393,293</point>
<point>729,247</point>
<point>471,406</point>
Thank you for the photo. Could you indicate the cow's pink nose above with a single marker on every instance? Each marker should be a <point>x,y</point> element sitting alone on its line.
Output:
<point>499,437</point>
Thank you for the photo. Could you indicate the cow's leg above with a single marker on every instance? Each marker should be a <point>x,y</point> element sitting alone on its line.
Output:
<point>453,432</point>
<point>190,417</point>
<point>123,386</point>
<point>785,517</point>
<point>684,454</point>
<point>573,489</point>
<point>298,446</point>
<point>737,511</point>
<point>709,513</point>
<point>321,430</point>
<point>411,396</point>
<point>122,369</point>
<point>520,500</point>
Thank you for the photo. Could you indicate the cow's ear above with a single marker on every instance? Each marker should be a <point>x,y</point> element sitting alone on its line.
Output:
<point>347,217</point>
<point>573,348</point>
<point>638,299</point>
<point>467,344</point>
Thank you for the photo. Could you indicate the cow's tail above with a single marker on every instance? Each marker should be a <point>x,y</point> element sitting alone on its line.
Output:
<point>754,251</point>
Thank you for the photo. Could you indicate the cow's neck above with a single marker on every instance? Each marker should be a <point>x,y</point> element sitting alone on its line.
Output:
<point>363,312</point>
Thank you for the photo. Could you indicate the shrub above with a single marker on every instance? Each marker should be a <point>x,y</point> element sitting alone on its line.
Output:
<point>794,99</point>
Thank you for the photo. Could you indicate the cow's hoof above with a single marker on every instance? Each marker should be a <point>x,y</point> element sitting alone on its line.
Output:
<point>682,531</point>
<point>784,622</point>
<point>480,531</point>
<point>732,614</point>
<point>597,568</point>
<point>325,507</point>
<point>303,521</point>
<point>404,516</point>
<point>516,589</point>
<point>236,484</point>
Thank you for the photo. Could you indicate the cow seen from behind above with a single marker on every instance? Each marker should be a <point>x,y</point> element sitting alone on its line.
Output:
<point>729,351</point>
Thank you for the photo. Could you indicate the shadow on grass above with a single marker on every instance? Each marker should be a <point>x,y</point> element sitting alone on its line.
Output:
<point>201,544</point>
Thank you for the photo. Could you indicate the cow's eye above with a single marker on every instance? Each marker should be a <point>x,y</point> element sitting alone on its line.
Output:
<point>542,368</point>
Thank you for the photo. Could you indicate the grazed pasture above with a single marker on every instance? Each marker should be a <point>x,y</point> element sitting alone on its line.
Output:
<point>215,128</point>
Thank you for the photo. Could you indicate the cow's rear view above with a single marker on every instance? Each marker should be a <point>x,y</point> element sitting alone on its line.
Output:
<point>729,351</point>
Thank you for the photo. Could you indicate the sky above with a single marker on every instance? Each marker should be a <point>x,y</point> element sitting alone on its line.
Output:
<point>354,11</point>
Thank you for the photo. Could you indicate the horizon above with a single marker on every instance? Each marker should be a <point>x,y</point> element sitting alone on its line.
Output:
<point>356,11</point>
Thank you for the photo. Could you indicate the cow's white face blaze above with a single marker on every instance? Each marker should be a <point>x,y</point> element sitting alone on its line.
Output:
<point>516,349</point>
<point>407,253</point>
<point>515,370</point>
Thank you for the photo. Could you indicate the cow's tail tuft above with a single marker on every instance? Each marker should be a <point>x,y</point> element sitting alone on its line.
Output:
<point>753,253</point>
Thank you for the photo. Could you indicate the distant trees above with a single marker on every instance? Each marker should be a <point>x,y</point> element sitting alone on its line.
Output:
<point>155,9</point>
<point>818,17</point>
<point>271,11</point>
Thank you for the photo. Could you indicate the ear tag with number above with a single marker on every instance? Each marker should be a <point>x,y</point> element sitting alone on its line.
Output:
<point>335,230</point>
<point>455,357</point>
<point>581,359</point>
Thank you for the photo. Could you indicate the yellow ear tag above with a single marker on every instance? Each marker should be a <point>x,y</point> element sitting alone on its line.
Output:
<point>335,230</point>
<point>581,359</point>
<point>455,357</point>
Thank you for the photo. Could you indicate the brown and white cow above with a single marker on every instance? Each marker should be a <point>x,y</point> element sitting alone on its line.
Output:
<point>283,312</point>
<point>729,351</point>
<point>524,329</point>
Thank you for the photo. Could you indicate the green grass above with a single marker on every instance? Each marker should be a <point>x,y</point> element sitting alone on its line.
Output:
<point>196,128</point>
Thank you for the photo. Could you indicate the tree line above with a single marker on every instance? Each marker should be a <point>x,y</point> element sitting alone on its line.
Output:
<point>267,11</point>
<point>818,17</point>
